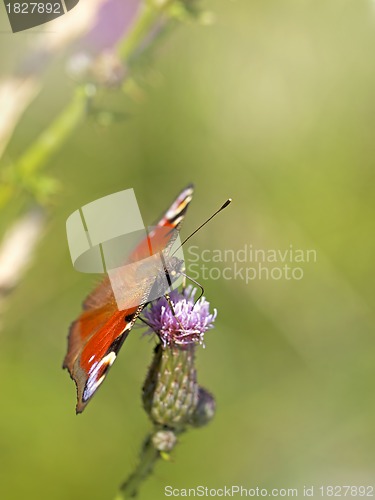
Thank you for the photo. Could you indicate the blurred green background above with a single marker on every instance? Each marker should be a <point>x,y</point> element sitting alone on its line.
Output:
<point>273,105</point>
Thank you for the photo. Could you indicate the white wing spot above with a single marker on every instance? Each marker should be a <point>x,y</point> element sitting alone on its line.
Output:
<point>92,384</point>
<point>178,220</point>
<point>109,359</point>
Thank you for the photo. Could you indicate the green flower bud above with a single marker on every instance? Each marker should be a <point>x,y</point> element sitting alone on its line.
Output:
<point>170,392</point>
<point>205,409</point>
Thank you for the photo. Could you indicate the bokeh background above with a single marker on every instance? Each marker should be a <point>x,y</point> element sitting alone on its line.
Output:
<point>273,105</point>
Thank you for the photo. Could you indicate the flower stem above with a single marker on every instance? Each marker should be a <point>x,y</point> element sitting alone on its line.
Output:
<point>150,14</point>
<point>141,28</point>
<point>50,140</point>
<point>148,458</point>
<point>23,171</point>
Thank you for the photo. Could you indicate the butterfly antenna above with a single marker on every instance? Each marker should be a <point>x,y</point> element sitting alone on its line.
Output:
<point>228,202</point>
<point>195,283</point>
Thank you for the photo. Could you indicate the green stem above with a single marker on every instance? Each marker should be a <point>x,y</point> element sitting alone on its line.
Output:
<point>151,12</point>
<point>141,28</point>
<point>51,139</point>
<point>148,458</point>
<point>22,173</point>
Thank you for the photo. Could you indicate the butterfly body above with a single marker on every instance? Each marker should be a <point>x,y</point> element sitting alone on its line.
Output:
<point>97,335</point>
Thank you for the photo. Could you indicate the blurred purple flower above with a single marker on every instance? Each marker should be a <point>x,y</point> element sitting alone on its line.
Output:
<point>187,326</point>
<point>114,19</point>
<point>94,56</point>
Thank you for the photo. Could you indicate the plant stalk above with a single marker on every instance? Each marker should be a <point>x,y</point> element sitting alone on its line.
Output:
<point>148,458</point>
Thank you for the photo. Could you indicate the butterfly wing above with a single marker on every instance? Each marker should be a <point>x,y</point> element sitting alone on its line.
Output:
<point>96,337</point>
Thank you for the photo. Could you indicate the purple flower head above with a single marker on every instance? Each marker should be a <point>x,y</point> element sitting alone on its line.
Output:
<point>189,324</point>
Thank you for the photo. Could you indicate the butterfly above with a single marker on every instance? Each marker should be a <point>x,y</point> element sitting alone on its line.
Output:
<point>97,335</point>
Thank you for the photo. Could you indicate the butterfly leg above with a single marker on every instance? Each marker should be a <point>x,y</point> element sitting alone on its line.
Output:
<point>146,323</point>
<point>170,303</point>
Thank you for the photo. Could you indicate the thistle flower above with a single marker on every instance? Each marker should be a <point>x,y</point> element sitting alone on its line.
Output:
<point>171,395</point>
<point>186,324</point>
